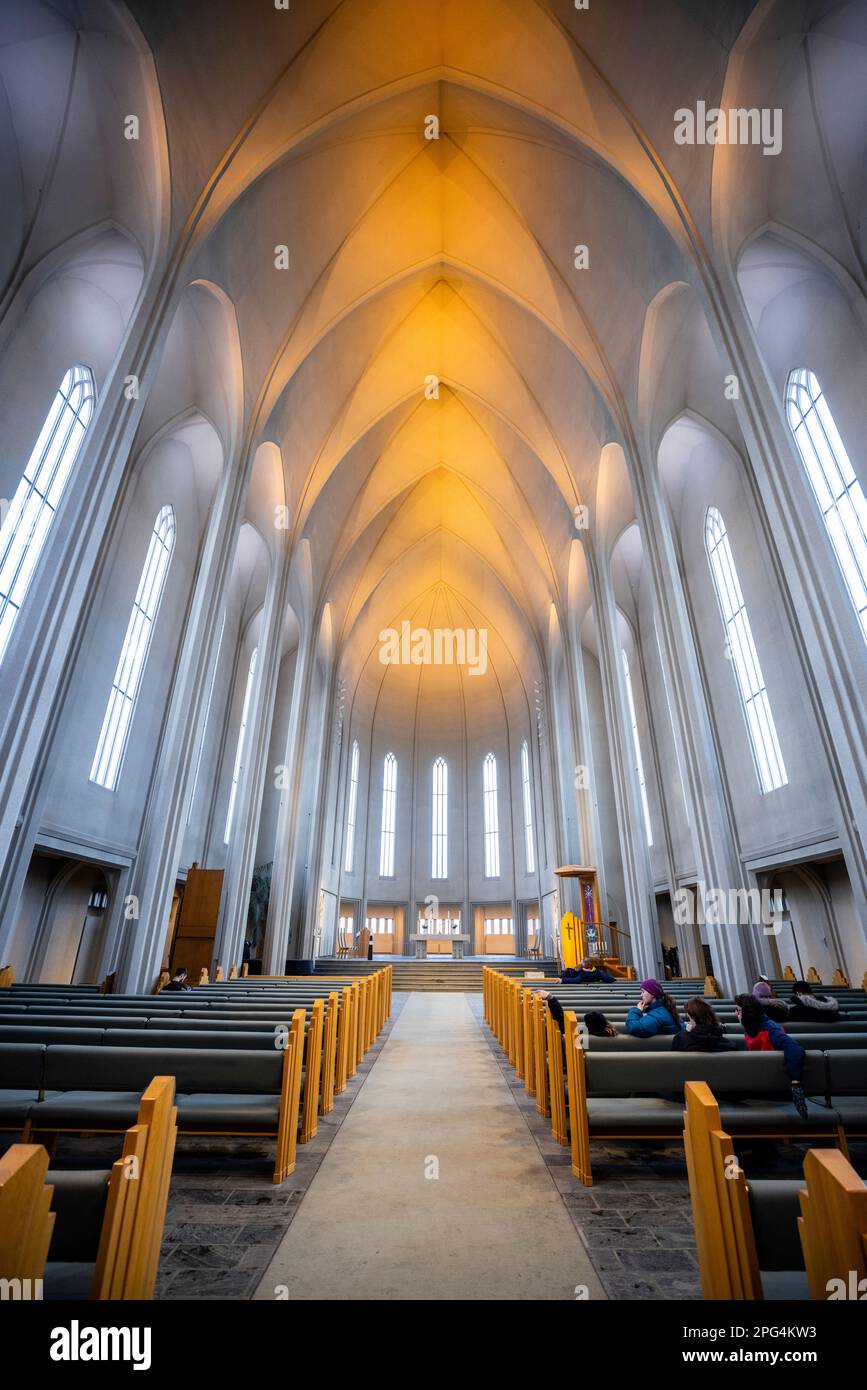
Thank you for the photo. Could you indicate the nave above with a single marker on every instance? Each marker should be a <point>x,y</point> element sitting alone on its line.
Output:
<point>434,1183</point>
<point>433,563</point>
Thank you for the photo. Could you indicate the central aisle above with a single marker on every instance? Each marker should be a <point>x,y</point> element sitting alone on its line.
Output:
<point>492,1225</point>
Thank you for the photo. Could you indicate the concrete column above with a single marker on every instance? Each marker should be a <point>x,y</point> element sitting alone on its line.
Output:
<point>733,946</point>
<point>322,727</point>
<point>154,874</point>
<point>283,874</point>
<point>594,850</point>
<point>244,833</point>
<point>640,899</point>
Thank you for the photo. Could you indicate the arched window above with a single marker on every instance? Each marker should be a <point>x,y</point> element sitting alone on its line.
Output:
<point>492,824</point>
<point>440,836</point>
<point>133,654</point>
<point>636,751</point>
<point>740,647</point>
<point>529,847</point>
<point>838,491</point>
<point>389,814</point>
<point>240,750</point>
<point>37,497</point>
<point>351,809</point>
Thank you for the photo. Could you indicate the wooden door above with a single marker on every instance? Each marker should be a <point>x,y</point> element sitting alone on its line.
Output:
<point>197,927</point>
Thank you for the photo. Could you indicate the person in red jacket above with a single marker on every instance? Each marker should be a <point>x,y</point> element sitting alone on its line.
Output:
<point>762,1034</point>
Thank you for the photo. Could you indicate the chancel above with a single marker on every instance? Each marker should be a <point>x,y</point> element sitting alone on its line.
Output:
<point>433,651</point>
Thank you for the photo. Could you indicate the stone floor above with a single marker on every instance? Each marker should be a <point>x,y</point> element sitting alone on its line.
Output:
<point>635,1220</point>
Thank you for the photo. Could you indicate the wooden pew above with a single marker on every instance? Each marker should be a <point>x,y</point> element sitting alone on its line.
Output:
<point>135,1206</point>
<point>727,1256</point>
<point>84,1111</point>
<point>623,1086</point>
<point>833,1226</point>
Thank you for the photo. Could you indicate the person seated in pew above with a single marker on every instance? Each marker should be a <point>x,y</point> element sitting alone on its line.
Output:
<point>595,1023</point>
<point>701,1031</point>
<point>809,1007</point>
<point>655,1012</point>
<point>178,983</point>
<point>588,973</point>
<point>777,1009</point>
<point>762,1034</point>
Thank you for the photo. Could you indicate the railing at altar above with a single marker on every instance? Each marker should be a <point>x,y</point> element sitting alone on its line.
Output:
<point>580,940</point>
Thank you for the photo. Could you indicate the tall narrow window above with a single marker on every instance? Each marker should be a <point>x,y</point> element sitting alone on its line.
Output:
<point>761,729</point>
<point>133,654</point>
<point>351,809</point>
<point>389,814</point>
<point>492,824</point>
<point>37,497</point>
<point>207,717</point>
<point>636,751</point>
<point>529,847</point>
<point>838,491</point>
<point>440,838</point>
<point>241,749</point>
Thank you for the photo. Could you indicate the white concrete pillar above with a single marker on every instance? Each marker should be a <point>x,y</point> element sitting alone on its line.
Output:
<point>154,874</point>
<point>733,945</point>
<point>244,833</point>
<point>640,899</point>
<point>283,874</point>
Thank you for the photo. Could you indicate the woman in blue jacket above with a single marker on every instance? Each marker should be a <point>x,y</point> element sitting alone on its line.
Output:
<point>655,1012</point>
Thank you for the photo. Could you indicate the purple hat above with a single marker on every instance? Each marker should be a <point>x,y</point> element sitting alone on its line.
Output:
<point>653,988</point>
<point>762,990</point>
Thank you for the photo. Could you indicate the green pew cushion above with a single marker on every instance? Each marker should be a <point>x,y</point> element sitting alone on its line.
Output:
<point>775,1208</point>
<point>162,1037</point>
<point>15,1106</point>
<point>729,1073</point>
<point>21,1065</point>
<point>79,1203</point>
<point>195,1069</point>
<point>91,1037</point>
<point>117,1110</point>
<point>847,1072</point>
<point>68,1281</point>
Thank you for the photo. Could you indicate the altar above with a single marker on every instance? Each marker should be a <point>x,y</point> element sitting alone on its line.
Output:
<point>420,940</point>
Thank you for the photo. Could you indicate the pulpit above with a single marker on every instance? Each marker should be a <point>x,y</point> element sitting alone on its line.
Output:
<point>581,934</point>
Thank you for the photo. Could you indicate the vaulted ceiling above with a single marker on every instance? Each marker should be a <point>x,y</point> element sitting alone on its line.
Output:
<point>438,375</point>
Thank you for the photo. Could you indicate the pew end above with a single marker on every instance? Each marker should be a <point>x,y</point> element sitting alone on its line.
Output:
<point>26,1218</point>
<point>833,1225</point>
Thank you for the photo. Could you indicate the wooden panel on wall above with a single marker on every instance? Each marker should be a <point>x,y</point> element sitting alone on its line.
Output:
<point>197,927</point>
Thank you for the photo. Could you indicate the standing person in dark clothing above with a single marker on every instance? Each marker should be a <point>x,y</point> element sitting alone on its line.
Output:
<point>701,1031</point>
<point>763,1035</point>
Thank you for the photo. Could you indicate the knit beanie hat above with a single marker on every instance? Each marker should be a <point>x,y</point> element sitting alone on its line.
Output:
<point>653,988</point>
<point>762,990</point>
